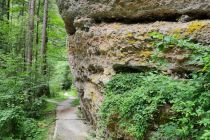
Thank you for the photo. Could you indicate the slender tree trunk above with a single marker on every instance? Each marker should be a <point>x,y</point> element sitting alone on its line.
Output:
<point>37,31</point>
<point>3,9</point>
<point>44,38</point>
<point>21,46</point>
<point>30,33</point>
<point>37,24</point>
<point>3,12</point>
<point>22,10</point>
<point>8,9</point>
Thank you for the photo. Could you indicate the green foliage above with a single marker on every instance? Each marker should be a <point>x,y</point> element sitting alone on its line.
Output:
<point>22,91</point>
<point>19,99</point>
<point>56,36</point>
<point>67,81</point>
<point>156,106</point>
<point>123,81</point>
<point>75,102</point>
<point>14,124</point>
<point>199,54</point>
<point>60,77</point>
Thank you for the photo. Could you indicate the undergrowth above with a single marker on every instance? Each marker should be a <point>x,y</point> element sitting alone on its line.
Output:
<point>156,106</point>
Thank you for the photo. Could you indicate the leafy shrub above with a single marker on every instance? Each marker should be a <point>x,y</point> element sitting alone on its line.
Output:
<point>199,53</point>
<point>20,101</point>
<point>61,78</point>
<point>125,82</point>
<point>156,106</point>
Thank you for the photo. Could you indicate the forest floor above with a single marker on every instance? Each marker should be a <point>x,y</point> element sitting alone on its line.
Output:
<point>69,126</point>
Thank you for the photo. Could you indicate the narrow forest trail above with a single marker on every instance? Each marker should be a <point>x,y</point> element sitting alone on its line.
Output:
<point>68,125</point>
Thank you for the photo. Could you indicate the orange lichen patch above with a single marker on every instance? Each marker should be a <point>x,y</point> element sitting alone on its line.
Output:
<point>129,34</point>
<point>94,97</point>
<point>176,32</point>
<point>149,44</point>
<point>121,55</point>
<point>130,41</point>
<point>194,26</point>
<point>145,54</point>
<point>177,35</point>
<point>142,37</point>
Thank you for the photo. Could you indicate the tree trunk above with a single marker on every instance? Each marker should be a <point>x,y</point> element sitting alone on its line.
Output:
<point>30,33</point>
<point>8,8</point>
<point>37,23</point>
<point>44,38</point>
<point>37,33</point>
<point>3,9</point>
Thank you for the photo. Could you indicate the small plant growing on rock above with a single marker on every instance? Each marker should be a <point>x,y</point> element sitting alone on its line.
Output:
<point>198,54</point>
<point>156,106</point>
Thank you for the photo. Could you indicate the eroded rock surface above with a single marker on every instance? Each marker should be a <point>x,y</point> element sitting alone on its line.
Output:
<point>111,36</point>
<point>130,10</point>
<point>95,56</point>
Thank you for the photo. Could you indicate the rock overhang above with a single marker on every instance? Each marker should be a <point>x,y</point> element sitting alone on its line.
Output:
<point>111,36</point>
<point>106,49</point>
<point>130,10</point>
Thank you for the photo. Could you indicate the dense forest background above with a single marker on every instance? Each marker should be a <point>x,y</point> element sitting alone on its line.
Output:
<point>33,65</point>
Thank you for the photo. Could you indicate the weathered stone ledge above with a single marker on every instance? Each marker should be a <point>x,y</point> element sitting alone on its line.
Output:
<point>87,11</point>
<point>95,55</point>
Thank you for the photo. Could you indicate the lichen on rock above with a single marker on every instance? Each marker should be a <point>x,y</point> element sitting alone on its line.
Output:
<point>130,10</point>
<point>113,36</point>
<point>105,46</point>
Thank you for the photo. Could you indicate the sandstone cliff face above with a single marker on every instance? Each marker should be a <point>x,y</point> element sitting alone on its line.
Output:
<point>95,56</point>
<point>120,42</point>
<point>130,10</point>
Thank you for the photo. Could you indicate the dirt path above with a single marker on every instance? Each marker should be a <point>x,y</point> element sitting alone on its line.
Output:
<point>68,125</point>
